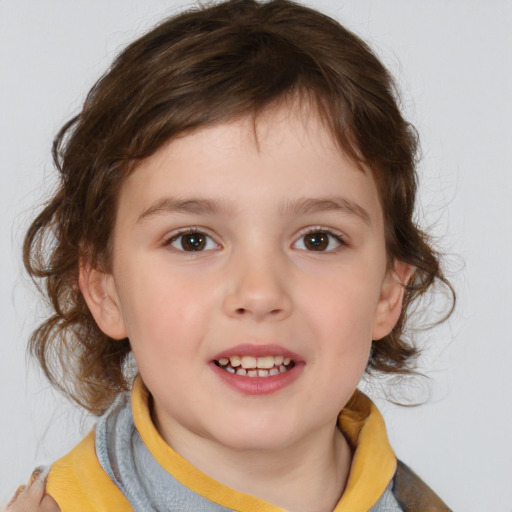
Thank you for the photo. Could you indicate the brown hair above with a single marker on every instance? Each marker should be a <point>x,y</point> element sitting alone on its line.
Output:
<point>203,67</point>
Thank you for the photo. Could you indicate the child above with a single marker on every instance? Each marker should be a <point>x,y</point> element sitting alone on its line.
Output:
<point>230,247</point>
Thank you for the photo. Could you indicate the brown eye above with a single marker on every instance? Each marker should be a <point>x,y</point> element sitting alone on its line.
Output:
<point>316,241</point>
<point>319,241</point>
<point>194,241</point>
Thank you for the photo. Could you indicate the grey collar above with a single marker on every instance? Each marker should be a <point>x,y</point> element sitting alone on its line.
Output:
<point>146,485</point>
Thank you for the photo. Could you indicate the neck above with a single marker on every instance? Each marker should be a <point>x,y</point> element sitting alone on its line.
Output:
<point>309,476</point>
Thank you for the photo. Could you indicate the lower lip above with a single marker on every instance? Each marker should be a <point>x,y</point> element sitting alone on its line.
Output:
<point>259,385</point>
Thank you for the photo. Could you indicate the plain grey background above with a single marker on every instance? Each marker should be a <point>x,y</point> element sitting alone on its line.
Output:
<point>452,59</point>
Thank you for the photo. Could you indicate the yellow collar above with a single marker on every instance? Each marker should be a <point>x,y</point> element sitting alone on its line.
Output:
<point>373,464</point>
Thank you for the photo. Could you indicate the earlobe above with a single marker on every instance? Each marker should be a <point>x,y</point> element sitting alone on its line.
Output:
<point>100,294</point>
<point>391,299</point>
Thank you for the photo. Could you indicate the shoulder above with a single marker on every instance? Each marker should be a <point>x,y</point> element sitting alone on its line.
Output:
<point>74,483</point>
<point>78,478</point>
<point>413,494</point>
<point>78,483</point>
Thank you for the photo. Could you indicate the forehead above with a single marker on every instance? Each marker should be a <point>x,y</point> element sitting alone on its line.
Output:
<point>282,154</point>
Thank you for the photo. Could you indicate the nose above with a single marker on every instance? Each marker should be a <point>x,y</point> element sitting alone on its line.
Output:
<point>258,287</point>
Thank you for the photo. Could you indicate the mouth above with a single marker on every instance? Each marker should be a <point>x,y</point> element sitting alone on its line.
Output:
<point>255,366</point>
<point>255,370</point>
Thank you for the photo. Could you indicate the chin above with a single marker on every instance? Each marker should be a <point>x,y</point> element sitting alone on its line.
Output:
<point>254,437</point>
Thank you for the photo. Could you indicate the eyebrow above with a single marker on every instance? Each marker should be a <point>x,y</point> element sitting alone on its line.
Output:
<point>198,206</point>
<point>314,205</point>
<point>203,206</point>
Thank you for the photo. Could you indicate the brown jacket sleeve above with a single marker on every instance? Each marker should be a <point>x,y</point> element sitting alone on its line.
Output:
<point>413,494</point>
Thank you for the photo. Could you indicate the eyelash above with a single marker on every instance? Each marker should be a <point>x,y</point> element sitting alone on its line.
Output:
<point>316,230</point>
<point>207,239</point>
<point>188,231</point>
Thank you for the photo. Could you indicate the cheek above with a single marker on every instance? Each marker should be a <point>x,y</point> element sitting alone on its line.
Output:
<point>168,313</point>
<point>344,304</point>
<point>341,317</point>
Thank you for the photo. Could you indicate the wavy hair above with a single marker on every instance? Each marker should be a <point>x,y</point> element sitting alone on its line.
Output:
<point>202,67</point>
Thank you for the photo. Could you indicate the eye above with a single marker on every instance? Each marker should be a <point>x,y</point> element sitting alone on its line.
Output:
<point>192,241</point>
<point>319,240</point>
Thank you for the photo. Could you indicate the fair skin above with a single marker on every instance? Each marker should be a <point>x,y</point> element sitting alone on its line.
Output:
<point>251,240</point>
<point>32,498</point>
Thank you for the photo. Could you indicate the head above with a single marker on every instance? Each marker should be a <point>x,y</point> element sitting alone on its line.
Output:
<point>238,60</point>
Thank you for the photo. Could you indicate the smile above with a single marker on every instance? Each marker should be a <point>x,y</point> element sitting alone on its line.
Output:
<point>252,366</point>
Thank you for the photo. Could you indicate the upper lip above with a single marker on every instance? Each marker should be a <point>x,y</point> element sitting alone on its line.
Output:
<point>257,350</point>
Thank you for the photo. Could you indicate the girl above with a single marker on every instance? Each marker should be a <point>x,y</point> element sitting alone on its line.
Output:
<point>231,246</point>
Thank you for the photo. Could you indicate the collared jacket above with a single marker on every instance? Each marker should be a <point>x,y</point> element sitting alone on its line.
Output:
<point>377,482</point>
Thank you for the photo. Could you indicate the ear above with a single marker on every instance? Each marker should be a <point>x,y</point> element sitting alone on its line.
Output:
<point>391,298</point>
<point>100,294</point>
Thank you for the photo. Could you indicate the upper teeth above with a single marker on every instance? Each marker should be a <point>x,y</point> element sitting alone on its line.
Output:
<point>246,362</point>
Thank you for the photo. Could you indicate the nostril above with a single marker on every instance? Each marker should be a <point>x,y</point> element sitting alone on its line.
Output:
<point>243,311</point>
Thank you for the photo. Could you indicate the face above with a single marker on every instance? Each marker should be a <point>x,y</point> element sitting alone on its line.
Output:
<point>249,273</point>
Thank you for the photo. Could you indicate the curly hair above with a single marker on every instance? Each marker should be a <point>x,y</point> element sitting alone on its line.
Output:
<point>202,67</point>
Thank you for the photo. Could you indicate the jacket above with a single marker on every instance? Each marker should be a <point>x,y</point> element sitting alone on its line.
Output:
<point>377,480</point>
